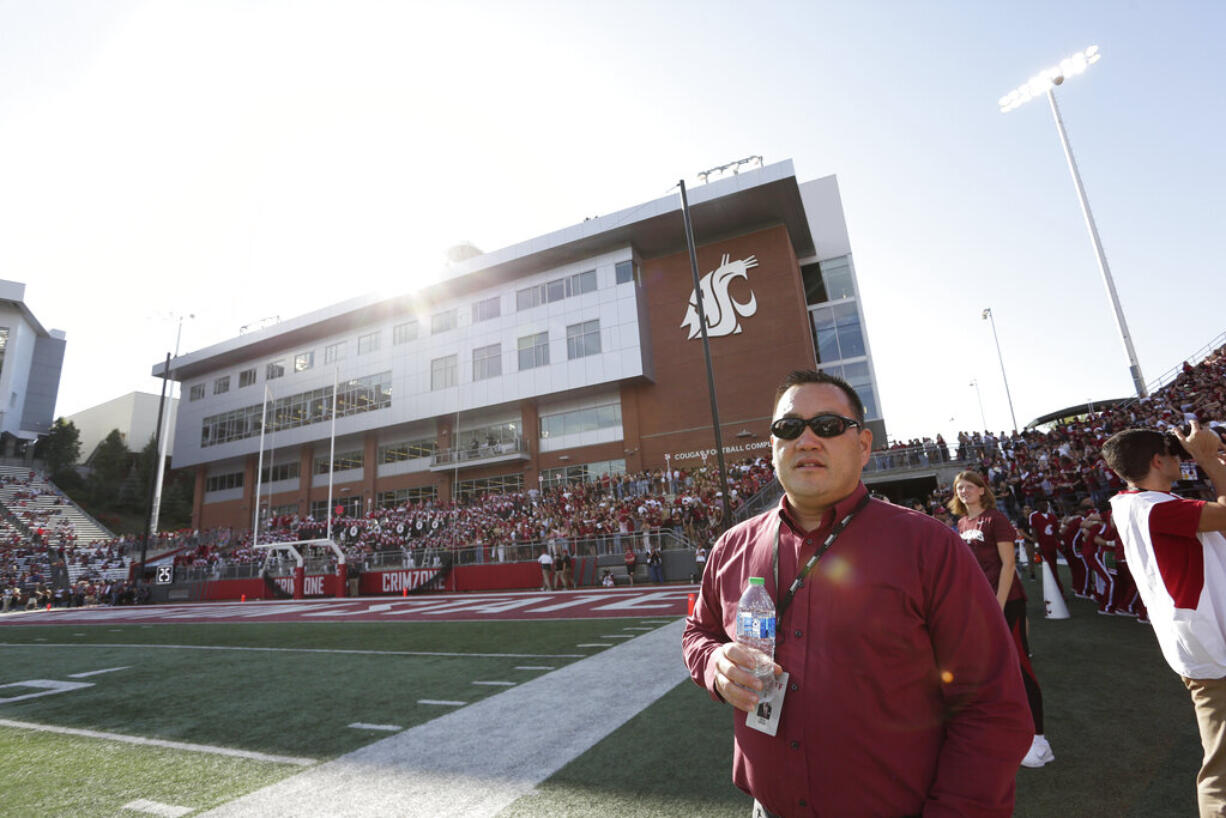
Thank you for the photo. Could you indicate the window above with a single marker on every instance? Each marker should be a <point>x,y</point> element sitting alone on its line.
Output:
<point>344,461</point>
<point>197,391</point>
<point>304,361</point>
<point>222,385</point>
<point>407,450</point>
<point>403,333</point>
<point>275,370</point>
<point>287,510</point>
<point>246,377</point>
<point>836,275</point>
<point>487,362</point>
<point>221,482</point>
<point>858,377</point>
<point>442,321</point>
<point>368,342</point>
<point>443,373</point>
<point>506,484</point>
<point>487,309</point>
<point>405,497</point>
<point>624,272</point>
<point>334,352</point>
<point>586,473</point>
<point>582,420</point>
<point>533,351</point>
<point>349,507</point>
<point>583,339</point>
<point>355,396</point>
<point>555,290</point>
<point>280,471</point>
<point>837,331</point>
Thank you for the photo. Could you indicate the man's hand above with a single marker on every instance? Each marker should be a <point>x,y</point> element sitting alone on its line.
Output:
<point>734,679</point>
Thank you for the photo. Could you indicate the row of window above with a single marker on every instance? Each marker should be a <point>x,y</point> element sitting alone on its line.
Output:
<point>343,461</point>
<point>583,473</point>
<point>407,450</point>
<point>484,310</point>
<point>354,397</point>
<point>221,482</point>
<point>403,497</point>
<point>581,420</point>
<point>582,340</point>
<point>279,471</point>
<point>503,484</point>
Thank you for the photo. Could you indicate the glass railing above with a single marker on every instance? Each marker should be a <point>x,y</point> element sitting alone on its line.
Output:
<point>486,451</point>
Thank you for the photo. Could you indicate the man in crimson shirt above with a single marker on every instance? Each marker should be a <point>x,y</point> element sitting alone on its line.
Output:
<point>903,693</point>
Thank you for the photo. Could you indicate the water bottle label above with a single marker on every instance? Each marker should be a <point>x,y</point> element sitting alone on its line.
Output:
<point>757,627</point>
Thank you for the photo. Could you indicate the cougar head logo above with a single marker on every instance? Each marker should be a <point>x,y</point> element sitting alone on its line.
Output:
<point>723,313</point>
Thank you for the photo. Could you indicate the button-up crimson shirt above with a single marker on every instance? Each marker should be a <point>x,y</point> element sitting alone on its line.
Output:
<point>905,695</point>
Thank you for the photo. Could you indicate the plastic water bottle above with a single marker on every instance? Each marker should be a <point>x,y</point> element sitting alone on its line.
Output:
<point>755,626</point>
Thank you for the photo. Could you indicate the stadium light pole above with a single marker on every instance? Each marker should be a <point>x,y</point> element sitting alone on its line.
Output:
<point>1044,82</point>
<point>987,316</point>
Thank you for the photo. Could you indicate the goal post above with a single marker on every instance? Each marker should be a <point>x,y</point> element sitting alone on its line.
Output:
<point>297,548</point>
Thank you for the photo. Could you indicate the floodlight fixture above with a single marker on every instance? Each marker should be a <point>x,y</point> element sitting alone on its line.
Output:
<point>1041,82</point>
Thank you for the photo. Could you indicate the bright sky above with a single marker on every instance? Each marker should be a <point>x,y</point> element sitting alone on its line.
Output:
<point>244,160</point>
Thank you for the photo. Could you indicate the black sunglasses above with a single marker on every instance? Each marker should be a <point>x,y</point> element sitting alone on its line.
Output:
<point>822,426</point>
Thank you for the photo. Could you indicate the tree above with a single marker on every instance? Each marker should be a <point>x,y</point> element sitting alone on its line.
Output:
<point>112,463</point>
<point>60,448</point>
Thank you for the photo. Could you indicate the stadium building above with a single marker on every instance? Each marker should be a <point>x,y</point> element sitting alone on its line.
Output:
<point>31,358</point>
<point>563,357</point>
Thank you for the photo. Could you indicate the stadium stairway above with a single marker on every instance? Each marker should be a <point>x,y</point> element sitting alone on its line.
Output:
<point>88,530</point>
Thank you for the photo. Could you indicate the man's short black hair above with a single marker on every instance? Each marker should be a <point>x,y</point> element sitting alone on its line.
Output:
<point>802,376</point>
<point>1130,452</point>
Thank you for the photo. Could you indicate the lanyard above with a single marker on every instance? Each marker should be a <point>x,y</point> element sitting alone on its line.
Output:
<point>808,566</point>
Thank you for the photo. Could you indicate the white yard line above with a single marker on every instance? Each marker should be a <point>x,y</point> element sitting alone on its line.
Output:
<point>534,667</point>
<point>156,808</point>
<point>446,702</point>
<point>476,761</point>
<point>495,684</point>
<point>79,646</point>
<point>391,728</point>
<point>595,645</point>
<point>157,742</point>
<point>96,672</point>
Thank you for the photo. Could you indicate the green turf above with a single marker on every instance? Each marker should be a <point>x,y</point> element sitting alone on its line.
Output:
<point>1118,719</point>
<point>277,702</point>
<point>48,775</point>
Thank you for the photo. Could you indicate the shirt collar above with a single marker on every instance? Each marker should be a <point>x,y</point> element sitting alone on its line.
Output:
<point>837,512</point>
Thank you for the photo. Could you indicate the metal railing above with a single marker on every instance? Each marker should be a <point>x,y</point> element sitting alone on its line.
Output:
<point>913,457</point>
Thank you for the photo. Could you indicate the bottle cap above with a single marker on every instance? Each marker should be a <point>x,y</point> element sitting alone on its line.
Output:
<point>757,581</point>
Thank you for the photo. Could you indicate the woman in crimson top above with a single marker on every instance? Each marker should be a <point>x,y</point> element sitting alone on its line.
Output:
<point>990,535</point>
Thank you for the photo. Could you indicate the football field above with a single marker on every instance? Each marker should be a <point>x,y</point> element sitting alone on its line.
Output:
<point>499,704</point>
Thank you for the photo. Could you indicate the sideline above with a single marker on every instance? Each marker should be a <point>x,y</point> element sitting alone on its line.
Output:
<point>480,759</point>
<point>250,755</point>
<point>293,650</point>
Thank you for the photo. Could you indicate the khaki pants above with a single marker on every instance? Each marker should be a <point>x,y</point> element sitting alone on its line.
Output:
<point>1209,699</point>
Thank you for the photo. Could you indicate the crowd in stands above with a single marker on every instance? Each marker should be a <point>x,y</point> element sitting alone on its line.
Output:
<point>1061,468</point>
<point>501,527</point>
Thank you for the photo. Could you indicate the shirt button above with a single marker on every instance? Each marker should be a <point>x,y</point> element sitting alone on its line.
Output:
<point>795,745</point>
<point>804,803</point>
<point>797,634</point>
<point>795,686</point>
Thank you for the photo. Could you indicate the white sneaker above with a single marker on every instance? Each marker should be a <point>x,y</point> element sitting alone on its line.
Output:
<point>1039,753</point>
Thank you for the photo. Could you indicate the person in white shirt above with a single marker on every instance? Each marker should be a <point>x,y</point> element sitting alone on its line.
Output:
<point>1177,553</point>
